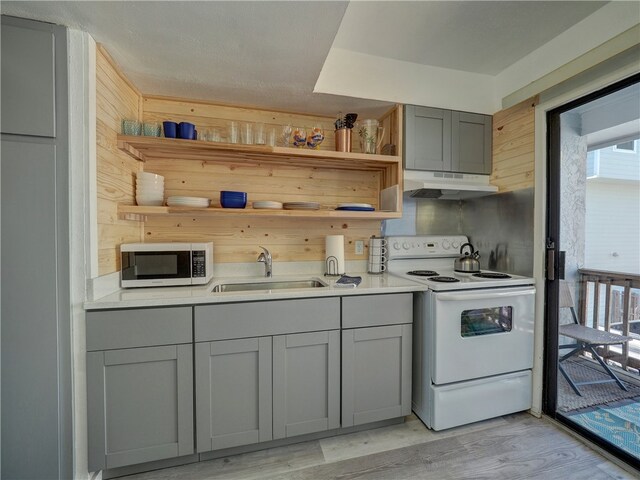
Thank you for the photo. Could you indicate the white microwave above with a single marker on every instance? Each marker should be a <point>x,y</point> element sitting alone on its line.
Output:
<point>164,264</point>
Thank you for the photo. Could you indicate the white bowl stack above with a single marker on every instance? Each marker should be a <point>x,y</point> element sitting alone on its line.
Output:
<point>149,189</point>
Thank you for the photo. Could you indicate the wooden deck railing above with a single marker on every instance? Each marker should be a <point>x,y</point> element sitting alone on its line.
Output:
<point>621,309</point>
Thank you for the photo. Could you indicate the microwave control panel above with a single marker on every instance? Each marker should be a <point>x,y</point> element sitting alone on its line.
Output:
<point>198,264</point>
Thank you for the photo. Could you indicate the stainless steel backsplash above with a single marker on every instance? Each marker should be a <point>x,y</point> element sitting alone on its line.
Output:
<point>500,226</point>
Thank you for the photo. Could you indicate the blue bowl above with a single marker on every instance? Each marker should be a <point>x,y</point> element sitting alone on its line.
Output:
<point>230,199</point>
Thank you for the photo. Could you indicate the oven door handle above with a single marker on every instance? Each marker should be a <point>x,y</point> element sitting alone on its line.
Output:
<point>485,295</point>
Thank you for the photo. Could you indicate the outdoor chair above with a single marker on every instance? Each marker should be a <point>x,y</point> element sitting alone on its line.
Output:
<point>587,340</point>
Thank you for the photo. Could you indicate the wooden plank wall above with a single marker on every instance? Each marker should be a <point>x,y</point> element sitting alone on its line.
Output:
<point>513,147</point>
<point>116,98</point>
<point>237,239</point>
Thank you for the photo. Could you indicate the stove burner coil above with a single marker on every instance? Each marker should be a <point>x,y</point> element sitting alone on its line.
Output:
<point>423,273</point>
<point>444,279</point>
<point>491,275</point>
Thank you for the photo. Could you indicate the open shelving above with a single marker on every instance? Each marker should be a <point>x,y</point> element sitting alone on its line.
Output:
<point>156,148</point>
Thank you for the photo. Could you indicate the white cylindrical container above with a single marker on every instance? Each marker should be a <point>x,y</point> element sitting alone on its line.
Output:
<point>334,257</point>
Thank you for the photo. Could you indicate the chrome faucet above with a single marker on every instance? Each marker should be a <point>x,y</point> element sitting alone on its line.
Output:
<point>265,257</point>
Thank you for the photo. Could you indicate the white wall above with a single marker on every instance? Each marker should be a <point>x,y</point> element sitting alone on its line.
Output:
<point>81,48</point>
<point>619,165</point>
<point>613,226</point>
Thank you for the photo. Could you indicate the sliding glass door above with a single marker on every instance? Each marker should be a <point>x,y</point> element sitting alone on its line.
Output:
<point>592,355</point>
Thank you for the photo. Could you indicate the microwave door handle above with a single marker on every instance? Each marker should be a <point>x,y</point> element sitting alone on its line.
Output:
<point>489,294</point>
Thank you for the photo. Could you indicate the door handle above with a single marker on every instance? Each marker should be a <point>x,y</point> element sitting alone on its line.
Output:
<point>551,260</point>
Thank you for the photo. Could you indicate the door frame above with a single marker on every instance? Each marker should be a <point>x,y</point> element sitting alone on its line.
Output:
<point>551,294</point>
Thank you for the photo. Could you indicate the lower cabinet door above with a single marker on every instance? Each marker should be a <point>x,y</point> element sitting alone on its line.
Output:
<point>233,393</point>
<point>140,405</point>
<point>376,374</point>
<point>306,383</point>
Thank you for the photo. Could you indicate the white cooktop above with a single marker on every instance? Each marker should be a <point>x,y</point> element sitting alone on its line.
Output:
<point>438,253</point>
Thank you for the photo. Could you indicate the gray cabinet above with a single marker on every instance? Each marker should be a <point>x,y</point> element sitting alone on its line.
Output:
<point>139,386</point>
<point>445,140</point>
<point>140,405</point>
<point>233,392</point>
<point>306,383</point>
<point>376,361</point>
<point>471,142</point>
<point>266,370</point>
<point>427,138</point>
<point>28,78</point>
<point>37,396</point>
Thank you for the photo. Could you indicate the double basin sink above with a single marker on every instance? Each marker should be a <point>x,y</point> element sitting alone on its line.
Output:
<point>267,285</point>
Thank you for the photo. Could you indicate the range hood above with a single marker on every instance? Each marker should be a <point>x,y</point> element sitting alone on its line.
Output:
<point>446,185</point>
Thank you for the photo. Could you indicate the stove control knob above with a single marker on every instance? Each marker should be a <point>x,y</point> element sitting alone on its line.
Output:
<point>446,244</point>
<point>455,244</point>
<point>405,245</point>
<point>396,246</point>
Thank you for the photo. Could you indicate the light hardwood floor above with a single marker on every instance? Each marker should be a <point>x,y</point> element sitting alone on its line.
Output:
<point>511,447</point>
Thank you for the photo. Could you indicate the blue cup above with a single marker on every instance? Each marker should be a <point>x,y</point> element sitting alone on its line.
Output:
<point>186,130</point>
<point>170,129</point>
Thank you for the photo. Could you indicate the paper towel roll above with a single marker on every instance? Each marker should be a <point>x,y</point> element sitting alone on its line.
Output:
<point>334,259</point>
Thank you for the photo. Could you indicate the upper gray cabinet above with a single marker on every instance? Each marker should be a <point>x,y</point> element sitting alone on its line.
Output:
<point>445,140</point>
<point>28,78</point>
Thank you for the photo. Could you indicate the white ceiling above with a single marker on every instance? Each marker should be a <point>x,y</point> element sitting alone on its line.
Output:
<point>471,36</point>
<point>271,54</point>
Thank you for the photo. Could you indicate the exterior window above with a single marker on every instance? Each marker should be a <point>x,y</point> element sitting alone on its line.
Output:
<point>628,147</point>
<point>486,321</point>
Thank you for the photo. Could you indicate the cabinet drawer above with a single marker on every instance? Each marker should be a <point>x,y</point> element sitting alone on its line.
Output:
<point>241,320</point>
<point>110,329</point>
<point>373,310</point>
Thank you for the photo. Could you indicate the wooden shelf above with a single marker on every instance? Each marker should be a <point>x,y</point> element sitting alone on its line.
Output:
<point>134,212</point>
<point>158,148</point>
<point>145,148</point>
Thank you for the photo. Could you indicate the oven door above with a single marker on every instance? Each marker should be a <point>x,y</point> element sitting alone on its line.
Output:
<point>480,333</point>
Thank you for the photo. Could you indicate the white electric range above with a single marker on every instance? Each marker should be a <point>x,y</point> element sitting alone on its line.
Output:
<point>473,335</point>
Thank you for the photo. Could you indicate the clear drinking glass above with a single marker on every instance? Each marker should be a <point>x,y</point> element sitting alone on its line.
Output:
<point>285,137</point>
<point>246,133</point>
<point>234,132</point>
<point>271,137</point>
<point>260,137</point>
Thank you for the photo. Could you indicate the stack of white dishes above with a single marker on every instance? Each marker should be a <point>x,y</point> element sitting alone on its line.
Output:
<point>149,189</point>
<point>197,202</point>
<point>267,204</point>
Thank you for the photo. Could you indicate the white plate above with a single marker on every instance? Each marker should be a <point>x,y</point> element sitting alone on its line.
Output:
<point>154,198</point>
<point>355,205</point>
<point>301,206</point>
<point>177,201</point>
<point>149,191</point>
<point>267,204</point>
<point>149,203</point>
<point>188,199</point>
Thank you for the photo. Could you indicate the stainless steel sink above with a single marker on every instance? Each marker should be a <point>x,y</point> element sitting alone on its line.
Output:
<point>269,285</point>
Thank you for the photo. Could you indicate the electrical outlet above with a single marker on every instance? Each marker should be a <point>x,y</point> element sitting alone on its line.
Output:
<point>359,247</point>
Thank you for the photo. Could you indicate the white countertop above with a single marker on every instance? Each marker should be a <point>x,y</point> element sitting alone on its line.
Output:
<point>201,294</point>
